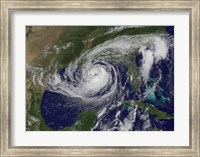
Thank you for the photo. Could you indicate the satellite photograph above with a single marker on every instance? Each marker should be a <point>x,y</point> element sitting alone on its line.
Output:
<point>99,78</point>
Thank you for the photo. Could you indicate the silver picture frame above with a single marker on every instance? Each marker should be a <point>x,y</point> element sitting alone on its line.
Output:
<point>193,6</point>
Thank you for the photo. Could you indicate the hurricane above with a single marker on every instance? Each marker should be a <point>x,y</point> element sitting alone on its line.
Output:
<point>98,78</point>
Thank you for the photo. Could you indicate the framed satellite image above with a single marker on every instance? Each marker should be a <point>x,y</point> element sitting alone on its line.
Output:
<point>99,78</point>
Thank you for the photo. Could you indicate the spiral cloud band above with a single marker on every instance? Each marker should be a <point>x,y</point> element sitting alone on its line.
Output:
<point>93,73</point>
<point>100,78</point>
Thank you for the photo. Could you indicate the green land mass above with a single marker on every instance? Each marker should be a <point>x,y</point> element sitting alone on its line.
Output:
<point>151,109</point>
<point>85,121</point>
